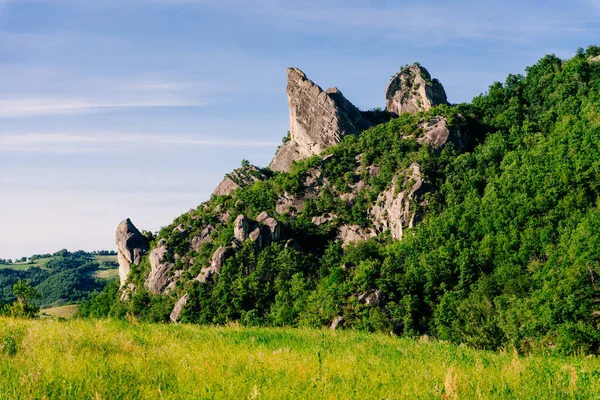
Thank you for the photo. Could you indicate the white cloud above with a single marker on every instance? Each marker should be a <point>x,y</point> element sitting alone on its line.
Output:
<point>28,107</point>
<point>76,143</point>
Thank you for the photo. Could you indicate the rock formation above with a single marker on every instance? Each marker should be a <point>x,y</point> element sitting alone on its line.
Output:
<point>436,133</point>
<point>203,237</point>
<point>160,268</point>
<point>215,266</point>
<point>412,90</point>
<point>318,119</point>
<point>392,209</point>
<point>240,177</point>
<point>241,228</point>
<point>131,247</point>
<point>174,317</point>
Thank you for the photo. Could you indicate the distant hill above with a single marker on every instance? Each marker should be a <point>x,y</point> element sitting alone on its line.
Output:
<point>62,277</point>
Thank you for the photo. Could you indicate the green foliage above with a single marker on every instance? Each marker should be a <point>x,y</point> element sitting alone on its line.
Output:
<point>507,253</point>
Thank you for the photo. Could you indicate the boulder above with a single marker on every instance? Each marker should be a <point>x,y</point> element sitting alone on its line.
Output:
<point>337,322</point>
<point>594,59</point>
<point>412,90</point>
<point>131,247</point>
<point>373,298</point>
<point>353,233</point>
<point>241,226</point>
<point>215,266</point>
<point>174,317</point>
<point>160,268</point>
<point>436,133</point>
<point>318,120</point>
<point>392,209</point>
<point>272,228</point>
<point>240,177</point>
<point>203,237</point>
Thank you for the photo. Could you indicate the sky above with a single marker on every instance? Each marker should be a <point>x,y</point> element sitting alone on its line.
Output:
<point>114,109</point>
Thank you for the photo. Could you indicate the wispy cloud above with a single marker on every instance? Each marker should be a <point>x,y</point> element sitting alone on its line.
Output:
<point>80,143</point>
<point>30,107</point>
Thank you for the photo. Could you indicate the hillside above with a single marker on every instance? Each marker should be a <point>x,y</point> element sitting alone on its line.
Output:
<point>60,278</point>
<point>107,359</point>
<point>474,223</point>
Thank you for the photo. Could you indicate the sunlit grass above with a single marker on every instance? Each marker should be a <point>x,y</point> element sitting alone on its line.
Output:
<point>68,311</point>
<point>78,359</point>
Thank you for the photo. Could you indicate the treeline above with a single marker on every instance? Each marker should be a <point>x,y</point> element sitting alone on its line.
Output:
<point>66,278</point>
<point>507,253</point>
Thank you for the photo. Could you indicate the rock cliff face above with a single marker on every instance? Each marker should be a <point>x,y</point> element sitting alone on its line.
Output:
<point>318,119</point>
<point>394,208</point>
<point>412,90</point>
<point>131,247</point>
<point>159,274</point>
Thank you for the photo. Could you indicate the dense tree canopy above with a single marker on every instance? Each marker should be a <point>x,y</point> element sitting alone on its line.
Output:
<point>508,252</point>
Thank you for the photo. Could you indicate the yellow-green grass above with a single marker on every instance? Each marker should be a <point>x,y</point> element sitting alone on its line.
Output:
<point>107,273</point>
<point>81,359</point>
<point>68,311</point>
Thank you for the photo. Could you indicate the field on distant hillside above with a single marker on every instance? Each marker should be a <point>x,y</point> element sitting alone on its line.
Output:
<point>60,312</point>
<point>42,262</point>
<point>104,359</point>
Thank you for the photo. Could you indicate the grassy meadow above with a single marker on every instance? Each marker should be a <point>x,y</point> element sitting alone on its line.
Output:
<point>67,311</point>
<point>105,359</point>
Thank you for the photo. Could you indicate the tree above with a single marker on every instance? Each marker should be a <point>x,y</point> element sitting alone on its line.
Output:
<point>25,294</point>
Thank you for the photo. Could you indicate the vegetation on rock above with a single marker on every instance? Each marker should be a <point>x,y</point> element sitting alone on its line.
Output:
<point>507,252</point>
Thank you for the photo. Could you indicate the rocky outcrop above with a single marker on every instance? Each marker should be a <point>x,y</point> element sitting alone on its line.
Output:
<point>337,322</point>
<point>160,268</point>
<point>373,298</point>
<point>131,247</point>
<point>393,210</point>
<point>174,316</point>
<point>203,237</point>
<point>241,228</point>
<point>594,59</point>
<point>215,266</point>
<point>412,90</point>
<point>436,133</point>
<point>241,177</point>
<point>272,229</point>
<point>353,233</point>
<point>318,119</point>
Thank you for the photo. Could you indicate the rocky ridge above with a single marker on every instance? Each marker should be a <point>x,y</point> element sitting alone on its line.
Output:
<point>318,120</point>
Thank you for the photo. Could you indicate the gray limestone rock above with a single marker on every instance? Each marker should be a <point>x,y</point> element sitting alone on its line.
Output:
<point>337,322</point>
<point>318,120</point>
<point>160,268</point>
<point>436,133</point>
<point>203,237</point>
<point>215,266</point>
<point>174,317</point>
<point>412,90</point>
<point>131,247</point>
<point>241,227</point>
<point>353,233</point>
<point>272,230</point>
<point>240,177</point>
<point>392,209</point>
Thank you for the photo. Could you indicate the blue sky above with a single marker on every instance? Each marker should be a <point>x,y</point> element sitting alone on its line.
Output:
<point>137,108</point>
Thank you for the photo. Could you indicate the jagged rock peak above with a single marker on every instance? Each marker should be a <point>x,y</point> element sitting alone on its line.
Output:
<point>131,247</point>
<point>412,90</point>
<point>318,119</point>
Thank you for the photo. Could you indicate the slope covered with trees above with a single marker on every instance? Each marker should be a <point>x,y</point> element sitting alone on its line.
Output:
<point>507,251</point>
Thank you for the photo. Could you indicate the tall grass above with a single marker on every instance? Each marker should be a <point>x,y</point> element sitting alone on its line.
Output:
<point>80,359</point>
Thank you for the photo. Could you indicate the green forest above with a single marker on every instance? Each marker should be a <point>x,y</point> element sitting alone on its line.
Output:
<point>60,278</point>
<point>507,252</point>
